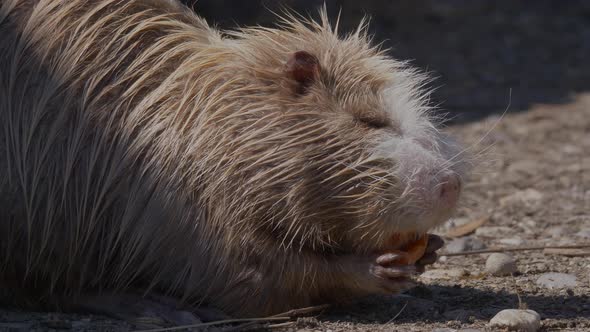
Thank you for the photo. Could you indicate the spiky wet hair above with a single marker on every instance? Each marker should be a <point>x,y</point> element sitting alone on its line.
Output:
<point>335,127</point>
<point>142,147</point>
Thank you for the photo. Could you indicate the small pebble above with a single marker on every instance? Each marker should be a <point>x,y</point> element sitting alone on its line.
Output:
<point>542,267</point>
<point>556,231</point>
<point>553,280</point>
<point>512,241</point>
<point>500,264</point>
<point>584,233</point>
<point>517,320</point>
<point>466,243</point>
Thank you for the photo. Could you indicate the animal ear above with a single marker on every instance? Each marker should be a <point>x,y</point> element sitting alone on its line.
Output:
<point>304,68</point>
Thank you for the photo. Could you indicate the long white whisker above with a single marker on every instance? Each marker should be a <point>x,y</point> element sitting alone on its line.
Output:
<point>487,133</point>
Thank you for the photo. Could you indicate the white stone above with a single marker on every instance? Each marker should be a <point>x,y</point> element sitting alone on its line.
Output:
<point>584,233</point>
<point>466,243</point>
<point>500,264</point>
<point>553,280</point>
<point>556,231</point>
<point>517,320</point>
<point>512,241</point>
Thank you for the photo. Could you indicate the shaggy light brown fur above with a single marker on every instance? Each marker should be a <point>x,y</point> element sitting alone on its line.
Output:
<point>141,148</point>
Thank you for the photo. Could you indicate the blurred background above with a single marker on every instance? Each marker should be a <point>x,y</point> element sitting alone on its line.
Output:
<point>476,50</point>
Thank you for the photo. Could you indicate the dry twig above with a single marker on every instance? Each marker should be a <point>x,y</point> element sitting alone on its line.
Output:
<point>399,313</point>
<point>290,314</point>
<point>248,321</point>
<point>527,248</point>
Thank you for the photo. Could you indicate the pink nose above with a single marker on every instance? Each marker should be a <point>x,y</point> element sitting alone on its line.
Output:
<point>450,189</point>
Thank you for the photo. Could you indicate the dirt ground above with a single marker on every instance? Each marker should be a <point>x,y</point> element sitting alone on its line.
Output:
<point>532,186</point>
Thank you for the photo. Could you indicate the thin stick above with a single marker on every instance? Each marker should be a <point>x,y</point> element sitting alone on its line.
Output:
<point>303,311</point>
<point>217,322</point>
<point>280,325</point>
<point>260,326</point>
<point>492,250</point>
<point>291,313</point>
<point>397,315</point>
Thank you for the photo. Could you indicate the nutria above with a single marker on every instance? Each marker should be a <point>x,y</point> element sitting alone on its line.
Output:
<point>254,170</point>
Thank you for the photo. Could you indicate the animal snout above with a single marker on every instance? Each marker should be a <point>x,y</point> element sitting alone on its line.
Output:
<point>450,189</point>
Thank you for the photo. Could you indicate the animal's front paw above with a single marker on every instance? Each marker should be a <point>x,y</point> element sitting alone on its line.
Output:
<point>391,275</point>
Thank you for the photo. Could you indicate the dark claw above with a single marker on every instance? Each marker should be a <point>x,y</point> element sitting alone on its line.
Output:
<point>435,242</point>
<point>427,259</point>
<point>420,268</point>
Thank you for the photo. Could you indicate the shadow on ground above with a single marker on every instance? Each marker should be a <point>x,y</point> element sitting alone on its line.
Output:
<point>431,304</point>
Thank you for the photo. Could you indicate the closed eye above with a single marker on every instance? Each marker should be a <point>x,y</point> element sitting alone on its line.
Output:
<point>373,120</point>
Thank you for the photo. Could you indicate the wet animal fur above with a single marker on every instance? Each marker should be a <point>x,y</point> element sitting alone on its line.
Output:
<point>143,149</point>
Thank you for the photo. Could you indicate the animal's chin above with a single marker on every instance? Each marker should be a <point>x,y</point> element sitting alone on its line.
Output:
<point>403,223</point>
<point>396,241</point>
<point>401,229</point>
